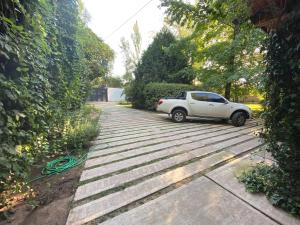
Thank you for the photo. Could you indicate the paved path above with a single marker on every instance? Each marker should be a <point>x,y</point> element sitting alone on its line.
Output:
<point>145,169</point>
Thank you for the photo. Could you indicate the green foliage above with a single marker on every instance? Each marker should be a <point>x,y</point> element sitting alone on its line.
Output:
<point>186,75</point>
<point>162,63</point>
<point>227,44</point>
<point>72,131</point>
<point>24,84</point>
<point>277,186</point>
<point>48,58</point>
<point>282,120</point>
<point>229,48</point>
<point>134,94</point>
<point>165,60</point>
<point>282,116</point>
<point>127,60</point>
<point>256,179</point>
<point>256,108</point>
<point>131,53</point>
<point>69,132</point>
<point>115,82</point>
<point>109,81</point>
<point>155,91</point>
<point>98,56</point>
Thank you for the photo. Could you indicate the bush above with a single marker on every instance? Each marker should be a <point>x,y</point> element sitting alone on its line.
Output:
<point>154,91</point>
<point>279,189</point>
<point>72,131</point>
<point>134,94</point>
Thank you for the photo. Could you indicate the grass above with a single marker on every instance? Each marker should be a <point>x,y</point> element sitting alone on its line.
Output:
<point>256,108</point>
<point>125,104</point>
<point>72,131</point>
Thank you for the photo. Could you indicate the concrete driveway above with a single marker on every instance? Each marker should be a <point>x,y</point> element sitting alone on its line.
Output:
<point>145,169</point>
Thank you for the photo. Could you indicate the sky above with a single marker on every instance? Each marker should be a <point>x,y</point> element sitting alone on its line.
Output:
<point>108,15</point>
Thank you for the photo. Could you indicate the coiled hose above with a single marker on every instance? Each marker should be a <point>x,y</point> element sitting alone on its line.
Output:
<point>59,165</point>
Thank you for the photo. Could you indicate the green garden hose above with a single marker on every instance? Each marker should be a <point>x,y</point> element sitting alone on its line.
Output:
<point>59,165</point>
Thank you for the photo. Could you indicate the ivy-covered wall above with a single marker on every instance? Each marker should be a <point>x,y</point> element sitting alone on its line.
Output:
<point>280,181</point>
<point>283,97</point>
<point>48,58</point>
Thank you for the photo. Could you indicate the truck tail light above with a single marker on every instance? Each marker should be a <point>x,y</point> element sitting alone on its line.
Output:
<point>160,102</point>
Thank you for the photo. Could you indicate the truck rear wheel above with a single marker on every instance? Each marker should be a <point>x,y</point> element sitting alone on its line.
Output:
<point>178,116</point>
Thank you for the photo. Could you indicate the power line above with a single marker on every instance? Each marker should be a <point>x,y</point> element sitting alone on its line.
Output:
<point>126,21</point>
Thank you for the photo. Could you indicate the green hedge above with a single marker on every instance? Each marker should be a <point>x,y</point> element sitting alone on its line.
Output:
<point>154,91</point>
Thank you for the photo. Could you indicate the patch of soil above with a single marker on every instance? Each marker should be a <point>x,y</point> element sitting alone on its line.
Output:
<point>51,204</point>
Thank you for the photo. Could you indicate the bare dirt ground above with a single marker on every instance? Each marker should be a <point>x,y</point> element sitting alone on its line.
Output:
<point>52,202</point>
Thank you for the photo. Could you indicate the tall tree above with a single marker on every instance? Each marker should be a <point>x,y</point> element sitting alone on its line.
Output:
<point>162,62</point>
<point>137,44</point>
<point>128,63</point>
<point>221,30</point>
<point>131,56</point>
<point>97,54</point>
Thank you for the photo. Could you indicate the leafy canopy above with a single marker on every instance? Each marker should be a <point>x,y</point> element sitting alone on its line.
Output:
<point>227,44</point>
<point>162,61</point>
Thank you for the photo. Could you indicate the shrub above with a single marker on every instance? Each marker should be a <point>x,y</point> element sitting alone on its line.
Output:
<point>154,91</point>
<point>134,94</point>
<point>71,131</point>
<point>278,187</point>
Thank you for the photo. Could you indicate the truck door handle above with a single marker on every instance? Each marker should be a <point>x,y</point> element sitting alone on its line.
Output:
<point>210,104</point>
<point>192,103</point>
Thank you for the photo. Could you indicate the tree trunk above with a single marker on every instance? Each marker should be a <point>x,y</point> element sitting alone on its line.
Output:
<point>236,31</point>
<point>227,90</point>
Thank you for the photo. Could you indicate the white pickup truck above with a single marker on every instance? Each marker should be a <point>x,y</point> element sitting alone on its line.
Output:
<point>203,104</point>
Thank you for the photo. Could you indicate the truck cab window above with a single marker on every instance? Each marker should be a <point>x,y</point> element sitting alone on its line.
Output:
<point>200,97</point>
<point>215,98</point>
<point>181,95</point>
